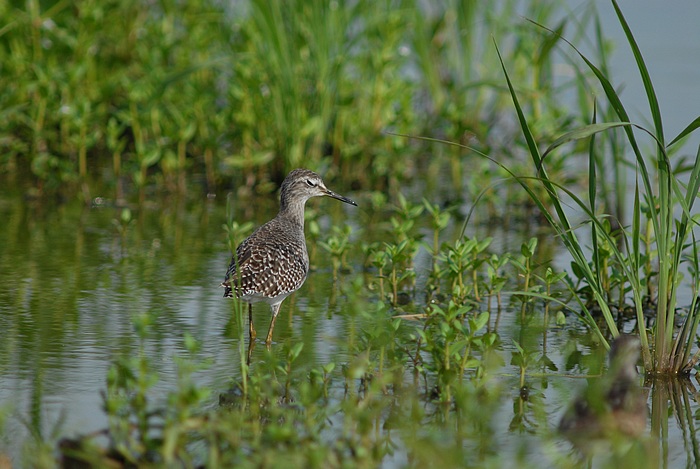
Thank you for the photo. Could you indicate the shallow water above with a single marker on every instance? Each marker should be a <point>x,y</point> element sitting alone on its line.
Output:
<point>73,284</point>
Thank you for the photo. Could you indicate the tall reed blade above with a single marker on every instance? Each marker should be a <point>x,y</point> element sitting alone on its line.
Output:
<point>662,195</point>
<point>561,223</point>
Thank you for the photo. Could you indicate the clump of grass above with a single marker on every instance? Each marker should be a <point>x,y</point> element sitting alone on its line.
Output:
<point>663,203</point>
<point>166,96</point>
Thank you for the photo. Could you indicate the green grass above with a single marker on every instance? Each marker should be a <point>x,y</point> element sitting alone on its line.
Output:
<point>148,99</point>
<point>663,202</point>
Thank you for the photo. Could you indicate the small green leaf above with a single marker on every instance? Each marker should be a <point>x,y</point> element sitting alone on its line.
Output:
<point>525,251</point>
<point>518,347</point>
<point>479,322</point>
<point>126,215</point>
<point>561,318</point>
<point>295,351</point>
<point>190,343</point>
<point>151,158</point>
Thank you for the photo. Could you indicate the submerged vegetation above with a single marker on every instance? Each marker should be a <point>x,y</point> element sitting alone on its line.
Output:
<point>132,100</point>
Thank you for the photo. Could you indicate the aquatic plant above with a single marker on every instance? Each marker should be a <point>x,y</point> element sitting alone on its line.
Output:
<point>337,245</point>
<point>439,219</point>
<point>661,198</point>
<point>465,258</point>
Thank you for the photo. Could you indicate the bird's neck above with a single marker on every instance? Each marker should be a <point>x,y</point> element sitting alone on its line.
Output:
<point>293,211</point>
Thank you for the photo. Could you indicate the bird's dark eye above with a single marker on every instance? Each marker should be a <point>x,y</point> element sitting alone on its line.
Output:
<point>310,183</point>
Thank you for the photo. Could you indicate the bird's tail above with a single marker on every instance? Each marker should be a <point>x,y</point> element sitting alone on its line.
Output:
<point>228,291</point>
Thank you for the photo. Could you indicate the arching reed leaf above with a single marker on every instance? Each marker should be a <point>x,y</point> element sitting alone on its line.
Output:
<point>582,132</point>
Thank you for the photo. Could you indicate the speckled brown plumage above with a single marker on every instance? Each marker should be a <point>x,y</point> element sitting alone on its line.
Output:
<point>272,263</point>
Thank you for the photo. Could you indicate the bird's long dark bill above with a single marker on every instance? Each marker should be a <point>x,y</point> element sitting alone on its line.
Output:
<point>341,198</point>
